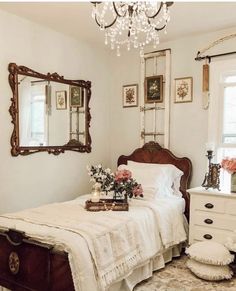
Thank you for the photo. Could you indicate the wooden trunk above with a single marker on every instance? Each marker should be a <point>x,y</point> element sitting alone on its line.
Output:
<point>29,265</point>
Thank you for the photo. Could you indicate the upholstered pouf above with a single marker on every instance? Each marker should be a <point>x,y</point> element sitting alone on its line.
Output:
<point>209,272</point>
<point>209,260</point>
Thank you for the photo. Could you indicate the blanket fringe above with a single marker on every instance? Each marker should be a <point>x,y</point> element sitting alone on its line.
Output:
<point>115,272</point>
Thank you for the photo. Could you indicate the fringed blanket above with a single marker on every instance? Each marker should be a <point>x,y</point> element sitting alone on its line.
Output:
<point>116,242</point>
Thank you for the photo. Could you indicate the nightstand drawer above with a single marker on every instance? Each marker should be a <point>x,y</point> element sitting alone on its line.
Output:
<point>214,220</point>
<point>203,233</point>
<point>211,204</point>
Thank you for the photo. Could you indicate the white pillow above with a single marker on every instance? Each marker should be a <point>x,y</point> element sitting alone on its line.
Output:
<point>210,252</point>
<point>172,172</point>
<point>209,272</point>
<point>176,186</point>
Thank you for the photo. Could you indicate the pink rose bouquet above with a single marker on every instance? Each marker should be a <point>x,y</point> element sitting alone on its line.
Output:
<point>124,183</point>
<point>229,165</point>
<point>121,182</point>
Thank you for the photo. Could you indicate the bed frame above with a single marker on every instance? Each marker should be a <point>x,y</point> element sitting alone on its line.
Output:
<point>153,153</point>
<point>27,265</point>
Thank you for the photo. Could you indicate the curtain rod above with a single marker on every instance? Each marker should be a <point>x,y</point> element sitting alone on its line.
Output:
<point>198,58</point>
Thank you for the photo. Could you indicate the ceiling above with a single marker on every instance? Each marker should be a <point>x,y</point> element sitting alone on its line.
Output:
<point>74,19</point>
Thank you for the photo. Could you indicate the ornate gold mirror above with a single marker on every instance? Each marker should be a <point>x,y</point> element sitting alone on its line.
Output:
<point>49,113</point>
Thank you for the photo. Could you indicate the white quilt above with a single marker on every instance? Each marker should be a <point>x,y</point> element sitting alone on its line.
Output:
<point>103,247</point>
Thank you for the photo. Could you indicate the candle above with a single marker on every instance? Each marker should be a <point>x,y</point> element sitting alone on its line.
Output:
<point>210,146</point>
<point>95,196</point>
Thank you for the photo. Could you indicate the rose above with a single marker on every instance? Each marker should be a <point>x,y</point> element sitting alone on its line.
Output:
<point>229,165</point>
<point>122,175</point>
<point>138,191</point>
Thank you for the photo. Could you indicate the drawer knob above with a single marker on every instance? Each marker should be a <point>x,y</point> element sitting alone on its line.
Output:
<point>208,221</point>
<point>207,236</point>
<point>209,205</point>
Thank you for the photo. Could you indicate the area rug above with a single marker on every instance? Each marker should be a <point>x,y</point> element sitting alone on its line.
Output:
<point>177,277</point>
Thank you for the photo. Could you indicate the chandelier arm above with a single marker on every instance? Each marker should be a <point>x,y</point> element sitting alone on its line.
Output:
<point>106,26</point>
<point>161,28</point>
<point>116,10</point>
<point>158,11</point>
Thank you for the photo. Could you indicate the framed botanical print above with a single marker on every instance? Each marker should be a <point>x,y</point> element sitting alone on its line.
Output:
<point>76,96</point>
<point>61,100</point>
<point>130,95</point>
<point>154,89</point>
<point>183,90</point>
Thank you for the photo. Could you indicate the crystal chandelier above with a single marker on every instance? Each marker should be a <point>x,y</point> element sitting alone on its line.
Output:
<point>131,24</point>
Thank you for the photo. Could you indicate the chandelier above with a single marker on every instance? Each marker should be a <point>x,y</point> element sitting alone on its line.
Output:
<point>131,24</point>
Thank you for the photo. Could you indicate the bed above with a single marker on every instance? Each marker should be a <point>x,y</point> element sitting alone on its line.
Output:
<point>41,254</point>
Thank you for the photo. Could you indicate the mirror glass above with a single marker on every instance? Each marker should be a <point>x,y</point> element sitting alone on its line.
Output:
<point>49,113</point>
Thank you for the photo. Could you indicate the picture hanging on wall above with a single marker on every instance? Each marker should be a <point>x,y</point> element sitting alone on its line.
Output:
<point>154,89</point>
<point>61,100</point>
<point>76,96</point>
<point>130,95</point>
<point>183,90</point>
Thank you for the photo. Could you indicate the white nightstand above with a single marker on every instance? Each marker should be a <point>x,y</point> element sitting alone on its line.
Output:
<point>212,215</point>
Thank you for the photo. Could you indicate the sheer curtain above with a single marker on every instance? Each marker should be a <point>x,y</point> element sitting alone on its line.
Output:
<point>222,113</point>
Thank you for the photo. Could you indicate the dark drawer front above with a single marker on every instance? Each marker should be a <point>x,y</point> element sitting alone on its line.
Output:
<point>26,266</point>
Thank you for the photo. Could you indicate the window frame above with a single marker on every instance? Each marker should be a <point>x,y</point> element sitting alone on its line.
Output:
<point>223,85</point>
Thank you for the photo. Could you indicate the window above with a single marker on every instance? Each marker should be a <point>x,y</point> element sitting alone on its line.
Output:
<point>229,111</point>
<point>37,120</point>
<point>222,112</point>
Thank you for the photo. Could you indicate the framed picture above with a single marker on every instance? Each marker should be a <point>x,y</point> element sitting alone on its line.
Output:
<point>154,89</point>
<point>183,90</point>
<point>130,95</point>
<point>76,96</point>
<point>61,100</point>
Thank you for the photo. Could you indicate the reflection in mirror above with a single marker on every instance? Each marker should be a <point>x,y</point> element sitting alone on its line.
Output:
<point>53,112</point>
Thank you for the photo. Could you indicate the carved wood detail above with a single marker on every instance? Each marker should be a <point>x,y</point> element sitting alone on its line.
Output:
<point>30,265</point>
<point>152,152</point>
<point>16,149</point>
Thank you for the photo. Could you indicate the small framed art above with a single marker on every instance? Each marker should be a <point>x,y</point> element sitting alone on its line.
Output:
<point>76,96</point>
<point>130,95</point>
<point>154,89</point>
<point>183,90</point>
<point>61,100</point>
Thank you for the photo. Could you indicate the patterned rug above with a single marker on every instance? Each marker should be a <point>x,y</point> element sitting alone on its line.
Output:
<point>177,277</point>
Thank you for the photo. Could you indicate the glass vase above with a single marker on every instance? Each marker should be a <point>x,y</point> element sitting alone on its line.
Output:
<point>233,182</point>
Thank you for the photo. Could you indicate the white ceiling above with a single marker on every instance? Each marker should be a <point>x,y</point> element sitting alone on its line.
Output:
<point>74,19</point>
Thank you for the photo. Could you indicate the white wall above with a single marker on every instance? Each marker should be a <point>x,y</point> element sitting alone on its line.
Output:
<point>188,121</point>
<point>41,178</point>
<point>27,181</point>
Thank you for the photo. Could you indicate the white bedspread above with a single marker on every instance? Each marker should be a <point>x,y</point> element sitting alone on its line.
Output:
<point>103,247</point>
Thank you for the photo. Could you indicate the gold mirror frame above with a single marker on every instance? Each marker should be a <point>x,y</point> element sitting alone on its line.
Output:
<point>72,145</point>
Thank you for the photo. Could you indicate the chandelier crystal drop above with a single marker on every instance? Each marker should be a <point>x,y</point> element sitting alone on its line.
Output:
<point>131,24</point>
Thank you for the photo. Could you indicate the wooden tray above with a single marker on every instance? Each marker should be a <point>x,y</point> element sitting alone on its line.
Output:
<point>107,204</point>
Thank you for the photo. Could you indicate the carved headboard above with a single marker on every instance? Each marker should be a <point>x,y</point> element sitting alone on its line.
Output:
<point>152,152</point>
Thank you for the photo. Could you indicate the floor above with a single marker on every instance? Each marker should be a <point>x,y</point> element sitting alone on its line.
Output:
<point>177,277</point>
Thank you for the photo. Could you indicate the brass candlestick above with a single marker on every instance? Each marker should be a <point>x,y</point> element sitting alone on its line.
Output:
<point>212,177</point>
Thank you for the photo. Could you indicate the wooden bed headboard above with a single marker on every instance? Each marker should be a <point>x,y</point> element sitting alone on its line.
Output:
<point>152,152</point>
